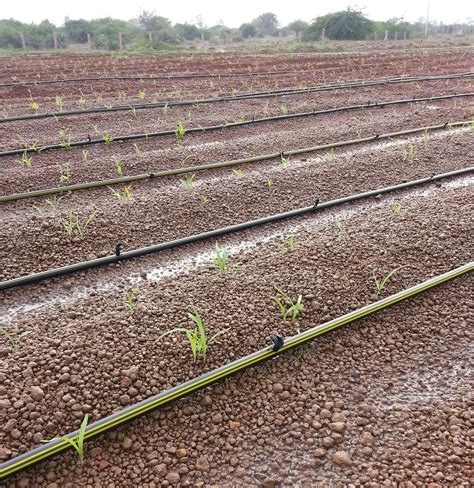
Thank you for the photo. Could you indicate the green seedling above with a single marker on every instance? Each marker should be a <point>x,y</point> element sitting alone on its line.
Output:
<point>58,100</point>
<point>285,161</point>
<point>74,223</point>
<point>106,138</point>
<point>287,306</point>
<point>397,208</point>
<point>121,95</point>
<point>196,337</point>
<point>39,210</point>
<point>269,182</point>
<point>204,199</point>
<point>122,196</point>
<point>189,180</point>
<point>85,155</point>
<point>426,135</point>
<point>381,282</point>
<point>221,258</point>
<point>34,106</point>
<point>141,94</point>
<point>331,155</point>
<point>65,141</point>
<point>165,108</point>
<point>77,442</point>
<point>130,298</point>
<point>238,172</point>
<point>284,110</point>
<point>138,152</point>
<point>339,225</point>
<point>118,167</point>
<point>13,341</point>
<point>180,132</point>
<point>64,174</point>
<point>289,243</point>
<point>25,160</point>
<point>410,154</point>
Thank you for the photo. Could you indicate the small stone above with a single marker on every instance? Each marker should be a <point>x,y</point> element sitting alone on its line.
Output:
<point>320,452</point>
<point>181,453</point>
<point>269,483</point>
<point>202,464</point>
<point>124,400</point>
<point>341,458</point>
<point>103,464</point>
<point>337,426</point>
<point>217,418</point>
<point>127,443</point>
<point>36,393</point>
<point>233,425</point>
<point>277,387</point>
<point>71,315</point>
<point>173,477</point>
<point>366,439</point>
<point>160,470</point>
<point>324,414</point>
<point>327,442</point>
<point>454,459</point>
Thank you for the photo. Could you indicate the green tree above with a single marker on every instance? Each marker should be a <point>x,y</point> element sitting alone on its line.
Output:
<point>188,32</point>
<point>347,24</point>
<point>267,24</point>
<point>298,26</point>
<point>248,30</point>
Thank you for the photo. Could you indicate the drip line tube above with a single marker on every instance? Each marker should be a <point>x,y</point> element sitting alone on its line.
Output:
<point>128,414</point>
<point>227,98</point>
<point>169,132</point>
<point>95,263</point>
<point>224,164</point>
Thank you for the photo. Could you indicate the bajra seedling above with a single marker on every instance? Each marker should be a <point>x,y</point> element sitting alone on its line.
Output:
<point>397,208</point>
<point>287,306</point>
<point>189,180</point>
<point>221,258</point>
<point>118,167</point>
<point>196,337</point>
<point>25,160</point>
<point>130,297</point>
<point>180,132</point>
<point>76,442</point>
<point>14,341</point>
<point>238,172</point>
<point>380,282</point>
<point>74,223</point>
<point>64,174</point>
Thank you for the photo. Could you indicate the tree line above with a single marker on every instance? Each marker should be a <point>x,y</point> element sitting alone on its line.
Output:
<point>150,30</point>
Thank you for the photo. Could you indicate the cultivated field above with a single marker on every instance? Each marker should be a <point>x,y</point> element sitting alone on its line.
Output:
<point>384,401</point>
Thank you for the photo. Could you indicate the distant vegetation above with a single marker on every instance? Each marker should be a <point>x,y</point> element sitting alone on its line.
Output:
<point>150,30</point>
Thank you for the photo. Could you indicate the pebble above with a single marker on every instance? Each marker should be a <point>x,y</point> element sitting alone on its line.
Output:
<point>341,458</point>
<point>36,393</point>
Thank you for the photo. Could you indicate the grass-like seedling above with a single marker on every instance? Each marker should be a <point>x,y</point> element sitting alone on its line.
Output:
<point>66,138</point>
<point>165,108</point>
<point>188,181</point>
<point>74,223</point>
<point>64,174</point>
<point>269,182</point>
<point>138,152</point>
<point>381,282</point>
<point>289,243</point>
<point>284,110</point>
<point>409,154</point>
<point>85,155</point>
<point>397,208</point>
<point>285,161</point>
<point>58,100</point>
<point>53,202</point>
<point>238,172</point>
<point>130,297</point>
<point>141,94</point>
<point>221,259</point>
<point>106,138</point>
<point>25,160</point>
<point>197,340</point>
<point>34,106</point>
<point>122,196</point>
<point>13,341</point>
<point>118,167</point>
<point>76,442</point>
<point>287,306</point>
<point>180,132</point>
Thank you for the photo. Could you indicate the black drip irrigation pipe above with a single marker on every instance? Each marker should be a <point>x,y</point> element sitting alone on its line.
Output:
<point>171,76</point>
<point>225,164</point>
<point>229,98</point>
<point>122,256</point>
<point>280,346</point>
<point>134,137</point>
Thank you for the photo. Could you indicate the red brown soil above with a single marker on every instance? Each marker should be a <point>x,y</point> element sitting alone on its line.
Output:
<point>387,397</point>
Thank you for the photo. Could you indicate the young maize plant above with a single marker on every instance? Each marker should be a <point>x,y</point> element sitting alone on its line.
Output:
<point>287,306</point>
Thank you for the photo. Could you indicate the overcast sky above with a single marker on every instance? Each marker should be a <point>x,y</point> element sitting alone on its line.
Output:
<point>231,13</point>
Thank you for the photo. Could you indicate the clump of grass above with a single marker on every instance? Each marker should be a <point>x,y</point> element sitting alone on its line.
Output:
<point>11,339</point>
<point>285,161</point>
<point>269,182</point>
<point>131,297</point>
<point>64,174</point>
<point>77,442</point>
<point>106,138</point>
<point>287,306</point>
<point>75,225</point>
<point>238,172</point>
<point>141,94</point>
<point>188,181</point>
<point>289,243</point>
<point>180,132</point>
<point>196,336</point>
<point>58,100</point>
<point>397,208</point>
<point>118,167</point>
<point>25,160</point>
<point>221,258</point>
<point>381,282</point>
<point>409,154</point>
<point>122,196</point>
